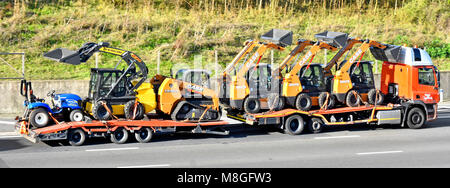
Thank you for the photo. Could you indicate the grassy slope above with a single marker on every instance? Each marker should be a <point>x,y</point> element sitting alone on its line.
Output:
<point>181,32</point>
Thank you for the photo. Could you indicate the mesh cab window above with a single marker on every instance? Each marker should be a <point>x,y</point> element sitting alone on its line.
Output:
<point>426,76</point>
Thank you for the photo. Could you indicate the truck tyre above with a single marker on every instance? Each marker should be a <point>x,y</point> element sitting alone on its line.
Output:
<point>252,105</point>
<point>76,137</point>
<point>39,117</point>
<point>315,125</point>
<point>100,113</point>
<point>129,110</point>
<point>76,115</point>
<point>352,99</point>
<point>303,102</point>
<point>294,125</point>
<point>373,94</point>
<point>415,118</point>
<point>323,98</point>
<point>119,136</point>
<point>143,135</point>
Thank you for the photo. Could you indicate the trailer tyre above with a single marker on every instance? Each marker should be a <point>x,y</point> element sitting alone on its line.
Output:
<point>119,136</point>
<point>352,99</point>
<point>143,135</point>
<point>294,125</point>
<point>315,125</point>
<point>39,117</point>
<point>415,118</point>
<point>76,137</point>
<point>303,102</point>
<point>129,110</point>
<point>252,105</point>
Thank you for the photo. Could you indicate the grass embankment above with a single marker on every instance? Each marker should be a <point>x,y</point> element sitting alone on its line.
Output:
<point>180,30</point>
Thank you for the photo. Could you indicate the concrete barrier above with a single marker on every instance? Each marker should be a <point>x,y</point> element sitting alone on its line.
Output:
<point>12,102</point>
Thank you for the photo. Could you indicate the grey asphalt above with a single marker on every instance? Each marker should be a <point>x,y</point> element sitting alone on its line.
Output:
<point>246,146</point>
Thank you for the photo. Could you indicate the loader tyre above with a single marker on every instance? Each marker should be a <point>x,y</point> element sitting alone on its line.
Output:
<point>252,105</point>
<point>129,110</point>
<point>39,117</point>
<point>373,94</point>
<point>352,100</point>
<point>143,135</point>
<point>294,125</point>
<point>275,101</point>
<point>303,102</point>
<point>76,137</point>
<point>331,100</point>
<point>100,113</point>
<point>119,136</point>
<point>416,118</point>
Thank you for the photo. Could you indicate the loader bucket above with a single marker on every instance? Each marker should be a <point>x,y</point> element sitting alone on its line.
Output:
<point>279,37</point>
<point>64,55</point>
<point>336,39</point>
<point>390,54</point>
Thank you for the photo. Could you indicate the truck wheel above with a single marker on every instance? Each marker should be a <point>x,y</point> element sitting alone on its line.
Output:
<point>315,125</point>
<point>143,135</point>
<point>100,113</point>
<point>252,105</point>
<point>373,94</point>
<point>323,98</point>
<point>129,110</point>
<point>303,102</point>
<point>39,117</point>
<point>294,125</point>
<point>352,99</point>
<point>119,136</point>
<point>76,137</point>
<point>76,115</point>
<point>415,118</point>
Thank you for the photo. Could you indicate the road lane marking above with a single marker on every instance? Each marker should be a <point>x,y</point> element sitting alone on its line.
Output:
<point>146,166</point>
<point>443,117</point>
<point>11,136</point>
<point>335,137</point>
<point>113,149</point>
<point>379,152</point>
<point>7,122</point>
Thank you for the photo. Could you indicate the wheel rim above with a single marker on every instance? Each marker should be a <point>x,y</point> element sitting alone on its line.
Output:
<point>41,118</point>
<point>102,112</point>
<point>416,118</point>
<point>118,135</point>
<point>294,125</point>
<point>252,105</point>
<point>76,137</point>
<point>316,126</point>
<point>78,116</point>
<point>303,102</point>
<point>143,134</point>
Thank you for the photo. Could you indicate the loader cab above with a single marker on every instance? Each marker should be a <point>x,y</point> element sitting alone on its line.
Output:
<point>103,80</point>
<point>361,75</point>
<point>259,79</point>
<point>312,78</point>
<point>199,77</point>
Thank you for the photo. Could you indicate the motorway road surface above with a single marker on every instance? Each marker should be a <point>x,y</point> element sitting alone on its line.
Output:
<point>345,146</point>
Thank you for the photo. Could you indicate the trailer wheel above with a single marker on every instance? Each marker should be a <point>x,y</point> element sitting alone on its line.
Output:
<point>303,102</point>
<point>252,105</point>
<point>143,135</point>
<point>315,125</point>
<point>294,125</point>
<point>39,117</point>
<point>415,118</point>
<point>129,110</point>
<point>76,137</point>
<point>352,99</point>
<point>119,136</point>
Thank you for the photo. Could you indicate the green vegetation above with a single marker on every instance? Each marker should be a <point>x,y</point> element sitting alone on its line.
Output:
<point>182,29</point>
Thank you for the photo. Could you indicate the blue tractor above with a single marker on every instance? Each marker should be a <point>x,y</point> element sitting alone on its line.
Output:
<point>65,107</point>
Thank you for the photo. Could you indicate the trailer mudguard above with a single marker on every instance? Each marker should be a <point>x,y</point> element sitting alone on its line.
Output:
<point>40,105</point>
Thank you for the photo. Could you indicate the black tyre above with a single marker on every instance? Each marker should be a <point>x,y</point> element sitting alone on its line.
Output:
<point>143,135</point>
<point>372,96</point>
<point>323,98</point>
<point>303,102</point>
<point>76,137</point>
<point>416,118</point>
<point>352,99</point>
<point>275,101</point>
<point>100,113</point>
<point>294,125</point>
<point>119,136</point>
<point>129,110</point>
<point>252,105</point>
<point>76,115</point>
<point>315,125</point>
<point>39,117</point>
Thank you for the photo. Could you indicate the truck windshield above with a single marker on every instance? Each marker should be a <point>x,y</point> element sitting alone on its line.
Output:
<point>426,76</point>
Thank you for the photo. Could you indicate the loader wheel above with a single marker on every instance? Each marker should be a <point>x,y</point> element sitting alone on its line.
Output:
<point>294,125</point>
<point>252,105</point>
<point>331,100</point>
<point>119,136</point>
<point>373,94</point>
<point>352,99</point>
<point>76,115</point>
<point>415,118</point>
<point>143,135</point>
<point>76,137</point>
<point>303,102</point>
<point>39,117</point>
<point>275,101</point>
<point>100,113</point>
<point>129,110</point>
<point>315,125</point>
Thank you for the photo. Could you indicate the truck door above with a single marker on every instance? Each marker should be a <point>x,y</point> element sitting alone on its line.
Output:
<point>426,82</point>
